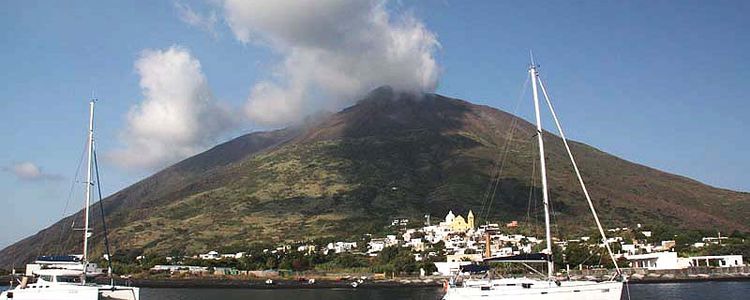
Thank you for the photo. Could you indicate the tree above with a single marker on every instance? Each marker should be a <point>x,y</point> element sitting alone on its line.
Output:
<point>405,263</point>
<point>348,260</point>
<point>577,254</point>
<point>616,247</point>
<point>428,266</point>
<point>177,253</point>
<point>271,262</point>
<point>729,249</point>
<point>685,238</point>
<point>127,256</point>
<point>396,259</point>
<point>736,234</point>
<point>233,248</point>
<point>439,247</point>
<point>388,254</point>
<point>149,261</point>
<point>285,264</point>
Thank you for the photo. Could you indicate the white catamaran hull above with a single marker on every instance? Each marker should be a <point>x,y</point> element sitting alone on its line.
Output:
<point>71,292</point>
<point>585,290</point>
<point>64,277</point>
<point>52,292</point>
<point>119,293</point>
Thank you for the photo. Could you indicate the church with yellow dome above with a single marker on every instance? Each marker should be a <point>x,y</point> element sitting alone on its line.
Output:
<point>458,223</point>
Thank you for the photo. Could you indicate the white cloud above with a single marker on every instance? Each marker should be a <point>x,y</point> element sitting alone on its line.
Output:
<point>333,52</point>
<point>178,116</point>
<point>206,22</point>
<point>29,171</point>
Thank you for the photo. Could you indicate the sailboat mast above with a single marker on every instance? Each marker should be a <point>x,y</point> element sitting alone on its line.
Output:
<point>543,165</point>
<point>90,147</point>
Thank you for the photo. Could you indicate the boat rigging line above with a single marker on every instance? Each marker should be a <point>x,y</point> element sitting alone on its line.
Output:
<point>578,174</point>
<point>67,201</point>
<point>104,223</point>
<point>494,184</point>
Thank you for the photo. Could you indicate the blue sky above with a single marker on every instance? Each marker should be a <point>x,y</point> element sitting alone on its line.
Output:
<point>656,82</point>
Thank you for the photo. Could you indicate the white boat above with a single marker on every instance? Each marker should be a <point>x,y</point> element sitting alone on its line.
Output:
<point>535,289</point>
<point>65,277</point>
<point>548,287</point>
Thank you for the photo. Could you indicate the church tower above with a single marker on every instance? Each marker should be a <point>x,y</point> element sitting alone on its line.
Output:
<point>470,219</point>
<point>449,217</point>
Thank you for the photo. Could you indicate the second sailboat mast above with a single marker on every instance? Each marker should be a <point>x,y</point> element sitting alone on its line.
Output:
<point>542,163</point>
<point>90,149</point>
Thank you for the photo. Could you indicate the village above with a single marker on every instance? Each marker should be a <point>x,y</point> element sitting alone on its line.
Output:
<point>456,240</point>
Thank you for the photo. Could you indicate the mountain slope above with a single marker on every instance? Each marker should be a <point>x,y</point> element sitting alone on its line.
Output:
<point>389,155</point>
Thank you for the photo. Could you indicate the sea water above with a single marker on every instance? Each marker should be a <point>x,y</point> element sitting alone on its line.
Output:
<point>722,290</point>
<point>685,291</point>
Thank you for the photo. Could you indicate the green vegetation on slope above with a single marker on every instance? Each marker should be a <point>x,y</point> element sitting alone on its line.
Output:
<point>389,156</point>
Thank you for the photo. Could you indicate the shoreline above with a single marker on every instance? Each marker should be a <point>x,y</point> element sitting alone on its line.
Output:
<point>280,283</point>
<point>693,274</point>
<point>229,283</point>
<point>689,280</point>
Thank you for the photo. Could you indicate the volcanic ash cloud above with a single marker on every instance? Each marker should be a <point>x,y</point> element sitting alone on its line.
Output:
<point>332,52</point>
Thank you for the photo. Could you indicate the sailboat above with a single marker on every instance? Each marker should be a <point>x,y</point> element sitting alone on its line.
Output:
<point>549,287</point>
<point>65,277</point>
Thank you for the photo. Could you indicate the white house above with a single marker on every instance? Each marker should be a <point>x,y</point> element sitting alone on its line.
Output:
<point>340,247</point>
<point>176,268</point>
<point>416,245</point>
<point>629,249</point>
<point>454,262</point>
<point>504,251</point>
<point>408,234</point>
<point>375,245</point>
<point>400,222</point>
<point>450,268</point>
<point>210,255</point>
<point>657,261</point>
<point>463,257</point>
<point>669,260</point>
<point>307,248</point>
<point>714,240</point>
<point>717,260</point>
<point>237,255</point>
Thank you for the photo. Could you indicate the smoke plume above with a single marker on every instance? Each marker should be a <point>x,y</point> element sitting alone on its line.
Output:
<point>332,51</point>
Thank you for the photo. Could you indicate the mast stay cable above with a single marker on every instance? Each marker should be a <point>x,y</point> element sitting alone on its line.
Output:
<point>494,184</point>
<point>67,201</point>
<point>104,223</point>
<point>578,174</point>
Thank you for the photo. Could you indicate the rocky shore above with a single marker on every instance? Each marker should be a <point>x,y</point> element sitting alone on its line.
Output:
<point>218,282</point>
<point>636,276</point>
<point>664,276</point>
